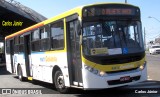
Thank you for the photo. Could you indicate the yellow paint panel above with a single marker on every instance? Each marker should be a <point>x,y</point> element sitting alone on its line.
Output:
<point>115,67</point>
<point>65,36</point>
<point>55,51</point>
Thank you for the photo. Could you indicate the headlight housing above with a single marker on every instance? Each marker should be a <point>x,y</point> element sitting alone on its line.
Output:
<point>141,67</point>
<point>94,71</point>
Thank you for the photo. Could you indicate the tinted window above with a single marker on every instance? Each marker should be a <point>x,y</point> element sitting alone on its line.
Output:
<point>16,44</point>
<point>35,40</point>
<point>57,35</point>
<point>16,40</point>
<point>35,35</point>
<point>7,47</point>
<point>44,32</point>
<point>45,43</point>
<point>21,45</point>
<point>21,39</point>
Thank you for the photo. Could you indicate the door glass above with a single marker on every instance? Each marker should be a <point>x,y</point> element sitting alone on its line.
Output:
<point>75,52</point>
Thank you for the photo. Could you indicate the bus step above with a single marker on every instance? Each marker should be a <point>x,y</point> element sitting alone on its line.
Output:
<point>76,87</point>
<point>76,84</point>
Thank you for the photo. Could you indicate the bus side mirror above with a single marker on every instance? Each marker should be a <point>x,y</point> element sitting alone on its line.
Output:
<point>78,27</point>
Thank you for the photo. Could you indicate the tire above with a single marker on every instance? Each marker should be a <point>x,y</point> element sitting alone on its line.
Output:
<point>59,82</point>
<point>20,75</point>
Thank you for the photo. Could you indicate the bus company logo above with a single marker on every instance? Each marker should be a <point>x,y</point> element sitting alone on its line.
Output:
<point>128,66</point>
<point>48,59</point>
<point>115,68</point>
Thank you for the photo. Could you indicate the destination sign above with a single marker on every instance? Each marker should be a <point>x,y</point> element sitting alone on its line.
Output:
<point>95,11</point>
<point>117,11</point>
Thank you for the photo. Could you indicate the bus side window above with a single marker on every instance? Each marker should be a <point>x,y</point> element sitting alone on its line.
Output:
<point>44,35</point>
<point>57,35</point>
<point>21,40</point>
<point>35,40</point>
<point>16,44</point>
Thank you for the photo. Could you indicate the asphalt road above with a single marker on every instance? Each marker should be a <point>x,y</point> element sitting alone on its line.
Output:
<point>8,81</point>
<point>153,64</point>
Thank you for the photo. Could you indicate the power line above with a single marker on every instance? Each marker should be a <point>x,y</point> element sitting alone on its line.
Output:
<point>155,36</point>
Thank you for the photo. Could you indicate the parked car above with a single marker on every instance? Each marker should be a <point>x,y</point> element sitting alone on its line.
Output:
<point>154,49</point>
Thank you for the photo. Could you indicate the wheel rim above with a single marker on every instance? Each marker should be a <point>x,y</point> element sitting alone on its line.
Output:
<point>60,81</point>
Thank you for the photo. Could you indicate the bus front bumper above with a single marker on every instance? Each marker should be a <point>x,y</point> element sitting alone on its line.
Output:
<point>92,81</point>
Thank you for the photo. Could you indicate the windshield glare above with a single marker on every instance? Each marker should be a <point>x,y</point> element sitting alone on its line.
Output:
<point>112,37</point>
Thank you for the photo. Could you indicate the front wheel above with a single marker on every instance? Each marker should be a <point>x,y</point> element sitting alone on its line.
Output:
<point>59,82</point>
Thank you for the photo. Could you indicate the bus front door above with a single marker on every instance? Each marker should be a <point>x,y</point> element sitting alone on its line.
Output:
<point>73,53</point>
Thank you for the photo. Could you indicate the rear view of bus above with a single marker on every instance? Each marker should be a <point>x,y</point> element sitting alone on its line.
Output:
<point>112,46</point>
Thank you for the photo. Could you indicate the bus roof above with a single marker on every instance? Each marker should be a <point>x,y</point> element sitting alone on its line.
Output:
<point>70,12</point>
<point>60,16</point>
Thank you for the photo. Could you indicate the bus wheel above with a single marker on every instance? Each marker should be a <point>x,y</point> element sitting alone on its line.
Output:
<point>59,82</point>
<point>20,75</point>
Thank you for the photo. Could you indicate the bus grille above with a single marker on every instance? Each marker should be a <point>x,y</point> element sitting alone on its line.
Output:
<point>121,60</point>
<point>120,71</point>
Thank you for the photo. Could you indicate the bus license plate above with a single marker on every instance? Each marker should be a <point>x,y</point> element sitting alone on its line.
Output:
<point>126,78</point>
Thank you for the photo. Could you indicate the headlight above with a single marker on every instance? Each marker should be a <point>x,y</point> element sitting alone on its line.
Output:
<point>102,73</point>
<point>142,66</point>
<point>94,71</point>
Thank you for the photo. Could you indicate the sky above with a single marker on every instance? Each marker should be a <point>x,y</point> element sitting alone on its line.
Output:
<point>50,8</point>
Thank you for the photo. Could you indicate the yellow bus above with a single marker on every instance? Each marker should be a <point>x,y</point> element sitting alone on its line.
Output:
<point>90,47</point>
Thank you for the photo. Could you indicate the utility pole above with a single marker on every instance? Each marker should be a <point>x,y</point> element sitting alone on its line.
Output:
<point>144,38</point>
<point>125,1</point>
<point>156,20</point>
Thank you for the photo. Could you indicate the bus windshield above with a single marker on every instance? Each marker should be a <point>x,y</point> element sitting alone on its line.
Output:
<point>112,37</point>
